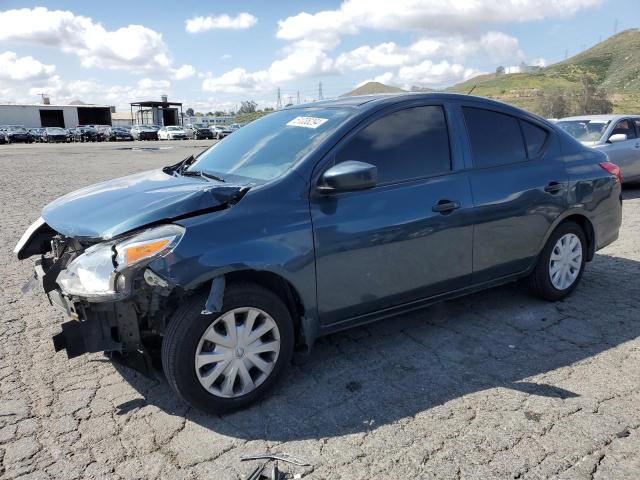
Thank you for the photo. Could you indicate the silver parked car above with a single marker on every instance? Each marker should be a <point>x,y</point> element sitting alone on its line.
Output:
<point>616,135</point>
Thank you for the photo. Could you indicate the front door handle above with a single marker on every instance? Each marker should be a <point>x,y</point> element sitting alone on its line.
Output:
<point>445,207</point>
<point>553,187</point>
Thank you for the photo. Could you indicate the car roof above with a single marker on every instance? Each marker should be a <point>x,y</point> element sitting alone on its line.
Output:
<point>604,117</point>
<point>378,98</point>
<point>375,100</point>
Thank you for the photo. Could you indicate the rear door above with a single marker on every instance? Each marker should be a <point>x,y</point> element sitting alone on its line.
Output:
<point>519,187</point>
<point>408,238</point>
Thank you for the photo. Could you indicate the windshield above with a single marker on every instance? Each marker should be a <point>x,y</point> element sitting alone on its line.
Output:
<point>584,130</point>
<point>56,130</point>
<point>18,129</point>
<point>268,147</point>
<point>200,125</point>
<point>171,129</point>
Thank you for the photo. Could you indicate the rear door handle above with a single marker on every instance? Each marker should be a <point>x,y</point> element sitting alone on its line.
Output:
<point>553,187</point>
<point>445,207</point>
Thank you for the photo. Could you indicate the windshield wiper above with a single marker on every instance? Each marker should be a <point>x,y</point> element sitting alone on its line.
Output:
<point>200,173</point>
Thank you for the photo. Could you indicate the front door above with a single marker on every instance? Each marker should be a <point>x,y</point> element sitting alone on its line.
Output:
<point>408,238</point>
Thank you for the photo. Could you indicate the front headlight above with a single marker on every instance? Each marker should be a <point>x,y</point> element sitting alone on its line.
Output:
<point>103,271</point>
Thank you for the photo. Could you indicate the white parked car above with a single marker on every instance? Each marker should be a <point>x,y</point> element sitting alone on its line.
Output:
<point>172,133</point>
<point>616,135</point>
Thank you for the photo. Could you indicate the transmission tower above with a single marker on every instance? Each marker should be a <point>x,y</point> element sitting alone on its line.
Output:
<point>298,99</point>
<point>279,103</point>
<point>320,96</point>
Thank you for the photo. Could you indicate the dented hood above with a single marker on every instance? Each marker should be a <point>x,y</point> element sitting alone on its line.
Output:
<point>110,208</point>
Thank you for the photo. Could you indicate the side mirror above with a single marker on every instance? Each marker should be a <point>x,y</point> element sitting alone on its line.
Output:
<point>348,176</point>
<point>617,137</point>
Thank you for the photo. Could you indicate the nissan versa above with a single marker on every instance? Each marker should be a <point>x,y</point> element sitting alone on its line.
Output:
<point>314,219</point>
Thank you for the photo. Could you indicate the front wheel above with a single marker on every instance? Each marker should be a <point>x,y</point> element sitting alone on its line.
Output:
<point>561,263</point>
<point>224,362</point>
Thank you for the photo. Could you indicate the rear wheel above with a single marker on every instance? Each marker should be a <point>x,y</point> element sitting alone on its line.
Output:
<point>561,263</point>
<point>224,362</point>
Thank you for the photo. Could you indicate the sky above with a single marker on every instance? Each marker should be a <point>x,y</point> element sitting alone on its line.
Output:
<point>211,55</point>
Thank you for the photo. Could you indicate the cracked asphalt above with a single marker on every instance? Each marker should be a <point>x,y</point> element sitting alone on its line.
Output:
<point>495,385</point>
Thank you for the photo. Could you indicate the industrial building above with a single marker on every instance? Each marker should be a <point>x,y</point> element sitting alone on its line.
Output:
<point>47,115</point>
<point>163,113</point>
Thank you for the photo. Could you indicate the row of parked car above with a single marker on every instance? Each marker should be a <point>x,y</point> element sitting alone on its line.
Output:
<point>104,133</point>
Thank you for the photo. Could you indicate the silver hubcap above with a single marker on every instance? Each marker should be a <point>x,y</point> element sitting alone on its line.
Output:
<point>237,352</point>
<point>566,261</point>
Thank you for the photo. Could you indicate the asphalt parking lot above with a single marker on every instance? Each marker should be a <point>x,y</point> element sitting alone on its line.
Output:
<point>495,385</point>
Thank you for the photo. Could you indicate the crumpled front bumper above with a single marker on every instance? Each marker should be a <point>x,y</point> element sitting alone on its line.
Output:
<point>110,327</point>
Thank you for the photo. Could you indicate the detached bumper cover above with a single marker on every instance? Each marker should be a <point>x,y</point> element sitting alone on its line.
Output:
<point>110,327</point>
<point>89,330</point>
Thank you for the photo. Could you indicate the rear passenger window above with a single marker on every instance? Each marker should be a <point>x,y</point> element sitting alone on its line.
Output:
<point>495,137</point>
<point>534,137</point>
<point>404,145</point>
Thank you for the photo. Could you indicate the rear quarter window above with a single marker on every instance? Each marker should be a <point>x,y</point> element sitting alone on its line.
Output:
<point>534,137</point>
<point>495,137</point>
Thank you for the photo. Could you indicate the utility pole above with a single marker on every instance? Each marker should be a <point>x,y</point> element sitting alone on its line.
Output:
<point>290,100</point>
<point>298,99</point>
<point>320,96</point>
<point>279,103</point>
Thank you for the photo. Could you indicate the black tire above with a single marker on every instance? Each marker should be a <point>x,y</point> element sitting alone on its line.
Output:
<point>186,327</point>
<point>539,281</point>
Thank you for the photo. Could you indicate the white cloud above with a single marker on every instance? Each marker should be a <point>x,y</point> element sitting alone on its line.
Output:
<point>501,47</point>
<point>17,68</point>
<point>299,63</point>
<point>366,57</point>
<point>428,15</point>
<point>237,80</point>
<point>134,47</point>
<point>492,46</point>
<point>202,24</point>
<point>184,72</point>
<point>430,74</point>
<point>226,56</point>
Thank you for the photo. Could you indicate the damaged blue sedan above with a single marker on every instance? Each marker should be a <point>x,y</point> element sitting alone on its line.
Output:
<point>314,219</point>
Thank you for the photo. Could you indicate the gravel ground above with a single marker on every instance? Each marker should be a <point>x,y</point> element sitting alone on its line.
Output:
<point>496,385</point>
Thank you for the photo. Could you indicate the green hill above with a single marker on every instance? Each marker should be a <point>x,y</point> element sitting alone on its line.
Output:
<point>613,65</point>
<point>371,88</point>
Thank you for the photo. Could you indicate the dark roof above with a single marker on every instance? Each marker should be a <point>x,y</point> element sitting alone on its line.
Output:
<point>382,98</point>
<point>156,104</point>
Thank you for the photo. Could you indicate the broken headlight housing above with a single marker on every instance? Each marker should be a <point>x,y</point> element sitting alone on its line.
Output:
<point>103,272</point>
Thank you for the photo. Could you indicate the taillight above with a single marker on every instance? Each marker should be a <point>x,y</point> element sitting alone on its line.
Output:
<point>613,169</point>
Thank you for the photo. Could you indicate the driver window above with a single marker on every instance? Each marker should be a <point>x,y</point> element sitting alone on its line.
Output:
<point>403,145</point>
<point>625,127</point>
